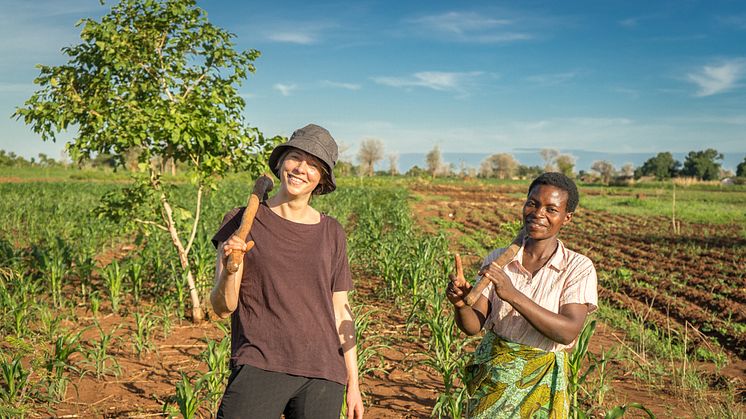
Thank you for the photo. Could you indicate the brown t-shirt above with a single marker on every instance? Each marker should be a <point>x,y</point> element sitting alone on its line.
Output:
<point>284,321</point>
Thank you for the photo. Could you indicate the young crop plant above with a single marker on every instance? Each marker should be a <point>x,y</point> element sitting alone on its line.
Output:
<point>445,351</point>
<point>216,356</point>
<point>367,348</point>
<point>602,384</point>
<point>188,397</point>
<point>50,322</point>
<point>165,322</point>
<point>98,356</point>
<point>94,302</point>
<point>84,264</point>
<point>58,364</point>
<point>135,276</point>
<point>15,382</point>
<point>20,318</point>
<point>113,279</point>
<point>153,79</point>
<point>54,261</point>
<point>141,338</point>
<point>575,378</point>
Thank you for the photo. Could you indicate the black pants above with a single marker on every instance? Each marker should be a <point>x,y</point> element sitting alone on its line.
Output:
<point>256,393</point>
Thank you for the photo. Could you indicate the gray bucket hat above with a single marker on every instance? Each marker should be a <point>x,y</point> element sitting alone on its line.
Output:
<point>315,141</point>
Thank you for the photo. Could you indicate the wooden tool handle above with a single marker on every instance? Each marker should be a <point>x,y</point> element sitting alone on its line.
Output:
<point>262,185</point>
<point>501,261</point>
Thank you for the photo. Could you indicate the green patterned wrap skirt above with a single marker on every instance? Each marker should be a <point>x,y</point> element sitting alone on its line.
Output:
<point>511,380</point>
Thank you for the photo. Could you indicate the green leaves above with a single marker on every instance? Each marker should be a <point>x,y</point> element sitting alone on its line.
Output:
<point>153,74</point>
<point>702,164</point>
<point>619,411</point>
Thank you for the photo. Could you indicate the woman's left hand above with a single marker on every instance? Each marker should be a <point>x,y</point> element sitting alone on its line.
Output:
<point>354,403</point>
<point>502,283</point>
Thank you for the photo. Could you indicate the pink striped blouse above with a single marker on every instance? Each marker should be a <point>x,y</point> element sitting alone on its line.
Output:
<point>568,277</point>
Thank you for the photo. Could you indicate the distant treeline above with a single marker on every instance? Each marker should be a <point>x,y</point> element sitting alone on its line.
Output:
<point>13,160</point>
<point>100,161</point>
<point>702,165</point>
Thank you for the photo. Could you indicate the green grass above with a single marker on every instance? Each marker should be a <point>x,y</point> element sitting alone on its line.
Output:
<point>62,174</point>
<point>655,342</point>
<point>692,204</point>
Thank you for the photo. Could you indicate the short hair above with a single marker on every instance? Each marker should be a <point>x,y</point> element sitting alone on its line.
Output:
<point>325,176</point>
<point>560,181</point>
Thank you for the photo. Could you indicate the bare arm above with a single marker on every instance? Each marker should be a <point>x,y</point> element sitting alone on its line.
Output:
<point>224,295</point>
<point>562,327</point>
<point>346,330</point>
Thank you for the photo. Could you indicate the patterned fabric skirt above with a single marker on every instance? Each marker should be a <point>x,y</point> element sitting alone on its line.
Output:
<point>511,380</point>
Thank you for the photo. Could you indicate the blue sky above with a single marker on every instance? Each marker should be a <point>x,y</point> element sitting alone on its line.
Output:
<point>476,76</point>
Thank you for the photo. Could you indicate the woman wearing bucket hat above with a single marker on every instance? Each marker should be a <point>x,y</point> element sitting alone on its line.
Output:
<point>292,330</point>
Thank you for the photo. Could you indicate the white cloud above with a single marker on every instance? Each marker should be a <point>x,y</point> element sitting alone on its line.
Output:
<point>348,86</point>
<point>719,120</point>
<point>469,27</point>
<point>734,21</point>
<point>635,21</point>
<point>460,22</point>
<point>436,80</point>
<point>305,32</point>
<point>629,22</point>
<point>293,37</point>
<point>625,91</point>
<point>552,79</point>
<point>713,79</point>
<point>285,89</point>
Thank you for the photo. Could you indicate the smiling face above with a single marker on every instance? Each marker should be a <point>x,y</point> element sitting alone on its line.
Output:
<point>545,212</point>
<point>300,172</point>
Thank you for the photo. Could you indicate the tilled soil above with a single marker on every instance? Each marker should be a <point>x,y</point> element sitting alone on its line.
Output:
<point>403,387</point>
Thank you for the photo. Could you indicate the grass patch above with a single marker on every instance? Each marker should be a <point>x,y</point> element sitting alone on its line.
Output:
<point>692,205</point>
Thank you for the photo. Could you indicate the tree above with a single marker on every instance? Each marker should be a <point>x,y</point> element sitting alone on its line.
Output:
<point>741,168</point>
<point>628,170</point>
<point>565,164</point>
<point>529,172</point>
<point>393,164</point>
<point>371,151</point>
<point>12,160</point>
<point>604,168</point>
<point>416,171</point>
<point>662,166</point>
<point>549,155</point>
<point>157,76</point>
<point>344,166</point>
<point>500,165</point>
<point>702,164</point>
<point>434,161</point>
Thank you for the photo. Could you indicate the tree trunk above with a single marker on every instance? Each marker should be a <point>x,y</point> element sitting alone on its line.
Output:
<point>197,313</point>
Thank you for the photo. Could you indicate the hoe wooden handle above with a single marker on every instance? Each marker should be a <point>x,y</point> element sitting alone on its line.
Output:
<point>262,185</point>
<point>501,261</point>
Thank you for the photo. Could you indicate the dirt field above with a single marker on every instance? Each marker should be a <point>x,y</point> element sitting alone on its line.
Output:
<point>692,282</point>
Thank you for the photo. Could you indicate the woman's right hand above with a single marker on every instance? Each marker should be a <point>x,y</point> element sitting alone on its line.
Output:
<point>235,243</point>
<point>458,288</point>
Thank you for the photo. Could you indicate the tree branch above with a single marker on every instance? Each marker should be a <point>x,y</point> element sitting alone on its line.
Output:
<point>160,59</point>
<point>196,219</point>
<point>153,223</point>
<point>189,89</point>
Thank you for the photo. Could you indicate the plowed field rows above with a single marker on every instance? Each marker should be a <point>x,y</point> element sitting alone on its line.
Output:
<point>695,279</point>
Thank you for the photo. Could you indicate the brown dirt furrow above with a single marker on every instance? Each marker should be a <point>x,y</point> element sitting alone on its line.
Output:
<point>685,312</point>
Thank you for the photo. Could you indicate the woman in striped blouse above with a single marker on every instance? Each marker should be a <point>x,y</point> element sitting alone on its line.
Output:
<point>532,312</point>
